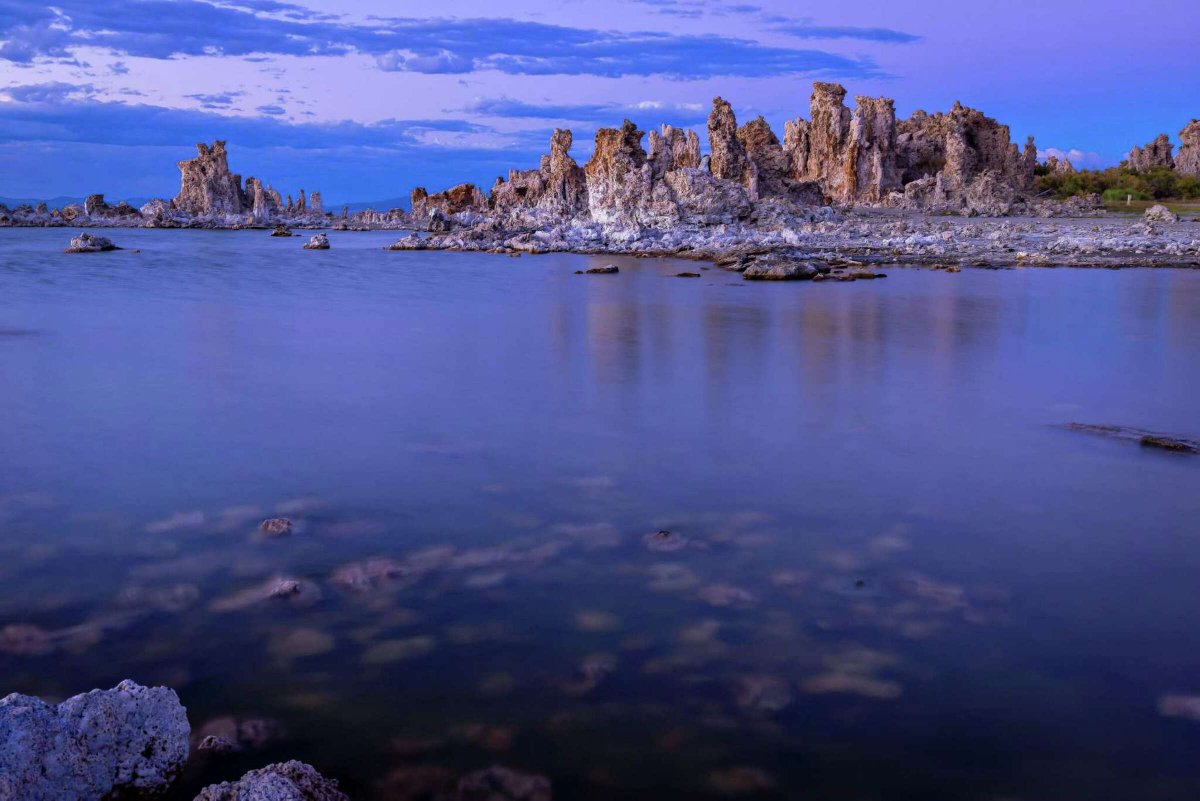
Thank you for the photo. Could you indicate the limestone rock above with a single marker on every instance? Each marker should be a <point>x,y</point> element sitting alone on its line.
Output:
<point>1155,154</point>
<point>1188,160</point>
<point>433,211</point>
<point>704,200</point>
<point>727,155</point>
<point>127,740</point>
<point>263,201</point>
<point>1058,166</point>
<point>207,187</point>
<point>1160,214</point>
<point>283,781</point>
<point>762,147</point>
<point>673,149</point>
<point>969,154</point>
<point>851,157</point>
<point>777,269</point>
<point>94,205</point>
<point>317,242</point>
<point>619,177</point>
<point>90,243</point>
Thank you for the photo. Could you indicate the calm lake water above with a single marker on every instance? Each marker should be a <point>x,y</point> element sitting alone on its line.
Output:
<point>890,573</point>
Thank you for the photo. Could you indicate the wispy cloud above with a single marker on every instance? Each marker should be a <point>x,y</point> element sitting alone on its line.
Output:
<point>646,113</point>
<point>170,28</point>
<point>807,31</point>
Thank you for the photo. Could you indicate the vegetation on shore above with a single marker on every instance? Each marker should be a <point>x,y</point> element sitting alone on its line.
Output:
<point>1116,185</point>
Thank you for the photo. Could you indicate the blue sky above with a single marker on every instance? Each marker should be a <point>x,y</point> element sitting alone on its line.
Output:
<point>365,100</point>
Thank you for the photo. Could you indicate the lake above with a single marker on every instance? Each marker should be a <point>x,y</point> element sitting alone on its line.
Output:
<point>651,537</point>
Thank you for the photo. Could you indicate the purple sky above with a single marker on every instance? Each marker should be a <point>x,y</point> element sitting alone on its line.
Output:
<point>363,104</point>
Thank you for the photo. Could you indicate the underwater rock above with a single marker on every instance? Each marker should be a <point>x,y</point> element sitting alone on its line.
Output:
<point>298,592</point>
<point>763,693</point>
<point>503,784</point>
<point>243,733</point>
<point>741,780</point>
<point>1149,439</point>
<point>398,650</point>
<point>664,541</point>
<point>127,740</point>
<point>1180,706</point>
<point>283,781</point>
<point>276,527</point>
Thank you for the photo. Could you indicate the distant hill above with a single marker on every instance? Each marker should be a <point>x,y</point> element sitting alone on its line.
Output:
<point>59,202</point>
<point>377,205</point>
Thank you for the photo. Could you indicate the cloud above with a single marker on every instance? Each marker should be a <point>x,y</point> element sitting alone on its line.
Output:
<point>1080,159</point>
<point>170,28</point>
<point>271,110</point>
<point>50,112</point>
<point>217,100</point>
<point>805,31</point>
<point>608,114</point>
<point>50,92</point>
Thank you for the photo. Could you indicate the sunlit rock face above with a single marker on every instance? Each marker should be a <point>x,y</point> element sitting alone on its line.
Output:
<point>1154,154</point>
<point>619,177</point>
<point>1188,160</point>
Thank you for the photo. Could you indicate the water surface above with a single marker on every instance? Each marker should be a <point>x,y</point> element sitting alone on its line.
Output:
<point>890,572</point>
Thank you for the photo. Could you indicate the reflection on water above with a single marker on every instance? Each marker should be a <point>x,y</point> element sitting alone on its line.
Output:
<point>649,537</point>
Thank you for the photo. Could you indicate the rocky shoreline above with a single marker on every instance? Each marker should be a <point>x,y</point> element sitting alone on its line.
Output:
<point>133,742</point>
<point>856,187</point>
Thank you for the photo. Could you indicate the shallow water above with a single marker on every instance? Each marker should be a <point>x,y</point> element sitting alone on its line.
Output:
<point>890,572</point>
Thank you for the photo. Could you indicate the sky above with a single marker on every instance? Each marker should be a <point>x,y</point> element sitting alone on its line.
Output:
<point>365,100</point>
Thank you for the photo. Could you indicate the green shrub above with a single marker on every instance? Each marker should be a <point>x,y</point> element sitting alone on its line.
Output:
<point>1117,194</point>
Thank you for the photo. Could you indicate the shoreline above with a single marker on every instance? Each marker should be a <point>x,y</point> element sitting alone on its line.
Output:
<point>824,237</point>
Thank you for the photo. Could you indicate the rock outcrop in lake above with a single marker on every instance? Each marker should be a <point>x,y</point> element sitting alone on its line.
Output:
<point>123,742</point>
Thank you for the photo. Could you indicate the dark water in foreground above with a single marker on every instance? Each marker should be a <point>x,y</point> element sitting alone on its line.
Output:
<point>898,576</point>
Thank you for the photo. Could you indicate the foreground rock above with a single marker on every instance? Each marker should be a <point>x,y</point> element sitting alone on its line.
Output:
<point>127,740</point>
<point>90,243</point>
<point>1160,214</point>
<point>779,270</point>
<point>284,781</point>
<point>317,242</point>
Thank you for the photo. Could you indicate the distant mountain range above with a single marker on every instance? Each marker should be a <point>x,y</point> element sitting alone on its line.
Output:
<point>59,202</point>
<point>138,202</point>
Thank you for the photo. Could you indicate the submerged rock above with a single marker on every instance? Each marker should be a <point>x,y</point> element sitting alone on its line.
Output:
<point>90,243</point>
<point>317,242</point>
<point>127,740</point>
<point>1149,439</point>
<point>498,783</point>
<point>283,781</point>
<point>276,527</point>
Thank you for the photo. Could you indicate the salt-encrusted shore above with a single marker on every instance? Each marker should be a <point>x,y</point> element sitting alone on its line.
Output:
<point>842,188</point>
